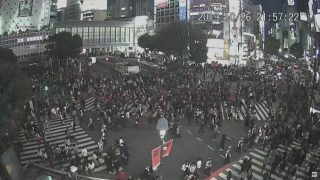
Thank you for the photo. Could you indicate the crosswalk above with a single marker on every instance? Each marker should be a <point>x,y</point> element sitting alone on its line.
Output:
<point>56,136</point>
<point>258,157</point>
<point>261,111</point>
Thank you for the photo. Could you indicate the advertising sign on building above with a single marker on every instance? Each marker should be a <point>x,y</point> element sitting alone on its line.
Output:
<point>182,10</point>
<point>161,3</point>
<point>291,2</point>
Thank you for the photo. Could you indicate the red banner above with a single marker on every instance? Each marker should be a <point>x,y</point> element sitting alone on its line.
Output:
<point>156,156</point>
<point>167,149</point>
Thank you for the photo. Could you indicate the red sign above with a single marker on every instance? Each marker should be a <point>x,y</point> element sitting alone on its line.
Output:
<point>156,156</point>
<point>167,149</point>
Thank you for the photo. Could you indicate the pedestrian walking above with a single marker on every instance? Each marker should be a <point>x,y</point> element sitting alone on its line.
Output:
<point>90,125</point>
<point>229,175</point>
<point>201,129</point>
<point>227,156</point>
<point>222,142</point>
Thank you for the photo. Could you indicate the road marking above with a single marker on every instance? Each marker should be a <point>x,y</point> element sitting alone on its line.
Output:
<point>221,156</point>
<point>229,138</point>
<point>199,139</point>
<point>210,147</point>
<point>219,132</point>
<point>189,132</point>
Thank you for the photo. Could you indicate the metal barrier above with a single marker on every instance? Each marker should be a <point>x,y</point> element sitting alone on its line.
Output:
<point>63,175</point>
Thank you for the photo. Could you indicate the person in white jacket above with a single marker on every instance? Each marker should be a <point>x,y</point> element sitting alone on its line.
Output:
<point>91,167</point>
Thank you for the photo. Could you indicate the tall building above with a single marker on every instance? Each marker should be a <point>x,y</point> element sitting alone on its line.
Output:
<point>72,10</point>
<point>215,27</point>
<point>168,11</point>
<point>294,28</point>
<point>17,15</point>
<point>143,8</point>
<point>120,8</point>
<point>242,36</point>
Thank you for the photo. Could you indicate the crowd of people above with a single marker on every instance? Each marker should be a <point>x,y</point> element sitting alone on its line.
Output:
<point>179,93</point>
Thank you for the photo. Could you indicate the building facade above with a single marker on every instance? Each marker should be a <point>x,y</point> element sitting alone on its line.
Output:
<point>87,10</point>
<point>120,8</point>
<point>95,15</point>
<point>168,11</point>
<point>72,10</point>
<point>17,15</point>
<point>143,8</point>
<point>109,36</point>
<point>26,45</point>
<point>293,30</point>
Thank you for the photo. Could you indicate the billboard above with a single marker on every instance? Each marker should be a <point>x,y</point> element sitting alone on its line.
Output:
<point>182,10</point>
<point>161,3</point>
<point>291,2</point>
<point>198,7</point>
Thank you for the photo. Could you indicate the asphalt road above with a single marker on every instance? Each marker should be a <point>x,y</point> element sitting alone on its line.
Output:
<point>191,146</point>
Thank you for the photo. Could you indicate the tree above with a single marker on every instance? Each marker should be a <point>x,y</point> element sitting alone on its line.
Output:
<point>172,39</point>
<point>198,45</point>
<point>147,42</point>
<point>297,50</point>
<point>272,45</point>
<point>63,46</point>
<point>13,92</point>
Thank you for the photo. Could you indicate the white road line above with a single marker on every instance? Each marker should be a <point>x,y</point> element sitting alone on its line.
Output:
<point>210,147</point>
<point>221,156</point>
<point>229,138</point>
<point>189,132</point>
<point>199,139</point>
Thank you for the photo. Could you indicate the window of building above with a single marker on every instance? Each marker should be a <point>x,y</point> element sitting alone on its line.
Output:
<point>20,40</point>
<point>96,35</point>
<point>127,36</point>
<point>123,34</point>
<point>131,35</point>
<point>91,35</point>
<point>108,35</point>
<point>85,35</point>
<point>112,34</point>
<point>118,34</point>
<point>74,30</point>
<point>80,32</point>
<point>102,35</point>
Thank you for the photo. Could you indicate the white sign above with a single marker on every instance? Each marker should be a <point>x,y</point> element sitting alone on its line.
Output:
<point>291,2</point>
<point>317,22</point>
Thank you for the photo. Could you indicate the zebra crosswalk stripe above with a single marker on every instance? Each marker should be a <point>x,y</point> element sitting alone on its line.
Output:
<point>258,157</point>
<point>57,136</point>
<point>261,111</point>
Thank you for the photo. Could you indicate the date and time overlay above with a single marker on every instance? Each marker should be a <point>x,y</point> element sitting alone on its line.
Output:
<point>247,16</point>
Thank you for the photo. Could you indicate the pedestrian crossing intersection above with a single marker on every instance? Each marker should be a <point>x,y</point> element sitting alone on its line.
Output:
<point>56,136</point>
<point>261,111</point>
<point>258,156</point>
